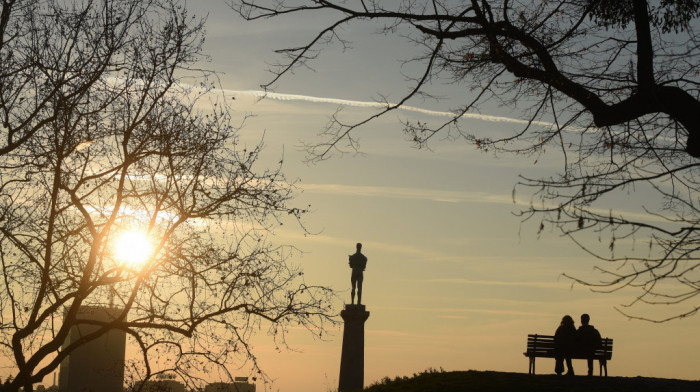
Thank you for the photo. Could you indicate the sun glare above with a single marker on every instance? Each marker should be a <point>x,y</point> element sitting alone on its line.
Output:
<point>132,248</point>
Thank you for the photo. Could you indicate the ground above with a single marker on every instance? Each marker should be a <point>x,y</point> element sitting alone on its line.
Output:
<point>486,381</point>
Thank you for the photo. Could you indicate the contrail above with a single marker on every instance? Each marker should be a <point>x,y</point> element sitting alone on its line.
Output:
<point>366,104</point>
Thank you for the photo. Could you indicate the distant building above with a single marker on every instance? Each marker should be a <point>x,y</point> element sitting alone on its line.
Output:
<point>97,365</point>
<point>160,386</point>
<point>240,384</point>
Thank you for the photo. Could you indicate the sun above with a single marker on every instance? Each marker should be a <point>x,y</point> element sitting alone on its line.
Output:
<point>132,248</point>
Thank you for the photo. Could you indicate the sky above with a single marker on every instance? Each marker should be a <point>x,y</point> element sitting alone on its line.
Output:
<point>454,279</point>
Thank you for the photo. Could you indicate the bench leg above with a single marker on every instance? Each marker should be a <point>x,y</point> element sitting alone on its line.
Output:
<point>604,366</point>
<point>531,366</point>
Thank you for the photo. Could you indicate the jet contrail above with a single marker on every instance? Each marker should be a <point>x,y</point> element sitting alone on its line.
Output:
<point>366,104</point>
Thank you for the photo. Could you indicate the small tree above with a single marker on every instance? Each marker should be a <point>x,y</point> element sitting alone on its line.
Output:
<point>101,139</point>
<point>617,80</point>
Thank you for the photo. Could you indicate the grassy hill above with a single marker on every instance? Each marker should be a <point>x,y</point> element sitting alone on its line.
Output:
<point>466,381</point>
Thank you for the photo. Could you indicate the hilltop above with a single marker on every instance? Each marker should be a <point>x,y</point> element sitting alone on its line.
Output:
<point>488,381</point>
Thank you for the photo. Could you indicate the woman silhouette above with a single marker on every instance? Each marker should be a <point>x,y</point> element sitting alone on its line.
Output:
<point>565,345</point>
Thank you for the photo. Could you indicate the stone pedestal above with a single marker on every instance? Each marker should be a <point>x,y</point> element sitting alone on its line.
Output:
<point>352,359</point>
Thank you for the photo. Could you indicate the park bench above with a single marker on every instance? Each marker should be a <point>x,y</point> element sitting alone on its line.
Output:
<point>543,346</point>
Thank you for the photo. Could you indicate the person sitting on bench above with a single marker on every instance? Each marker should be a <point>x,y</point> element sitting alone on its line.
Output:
<point>588,340</point>
<point>565,345</point>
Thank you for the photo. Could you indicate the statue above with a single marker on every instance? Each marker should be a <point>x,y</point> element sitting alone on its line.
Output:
<point>358,262</point>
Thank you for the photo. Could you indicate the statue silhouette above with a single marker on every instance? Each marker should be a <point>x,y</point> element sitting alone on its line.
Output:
<point>358,262</point>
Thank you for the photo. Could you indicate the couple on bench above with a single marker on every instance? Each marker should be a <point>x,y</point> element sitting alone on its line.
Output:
<point>569,342</point>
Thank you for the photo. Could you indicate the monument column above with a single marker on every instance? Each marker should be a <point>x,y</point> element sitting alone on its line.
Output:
<point>352,359</point>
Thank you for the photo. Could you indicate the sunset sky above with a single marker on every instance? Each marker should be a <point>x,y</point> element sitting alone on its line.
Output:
<point>454,279</point>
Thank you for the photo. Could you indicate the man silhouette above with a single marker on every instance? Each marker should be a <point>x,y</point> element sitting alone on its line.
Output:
<point>589,340</point>
<point>358,262</point>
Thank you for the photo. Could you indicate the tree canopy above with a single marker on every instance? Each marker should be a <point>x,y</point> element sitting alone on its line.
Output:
<point>109,128</point>
<point>610,86</point>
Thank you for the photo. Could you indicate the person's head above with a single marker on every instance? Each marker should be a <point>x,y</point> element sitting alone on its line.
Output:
<point>359,246</point>
<point>567,320</point>
<point>585,319</point>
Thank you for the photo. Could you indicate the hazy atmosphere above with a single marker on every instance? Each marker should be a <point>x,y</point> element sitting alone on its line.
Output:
<point>456,278</point>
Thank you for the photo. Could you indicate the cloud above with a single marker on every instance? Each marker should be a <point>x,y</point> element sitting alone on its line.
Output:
<point>394,333</point>
<point>453,317</point>
<point>458,311</point>
<point>502,283</point>
<point>444,196</point>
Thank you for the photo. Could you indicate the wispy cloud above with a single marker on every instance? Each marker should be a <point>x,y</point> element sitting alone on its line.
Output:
<point>447,196</point>
<point>394,333</point>
<point>459,311</point>
<point>501,283</point>
<point>453,317</point>
<point>408,193</point>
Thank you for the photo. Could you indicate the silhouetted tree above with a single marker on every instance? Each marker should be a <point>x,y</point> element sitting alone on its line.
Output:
<point>617,82</point>
<point>100,136</point>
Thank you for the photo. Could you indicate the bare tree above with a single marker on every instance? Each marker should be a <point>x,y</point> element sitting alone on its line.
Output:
<point>617,82</point>
<point>102,138</point>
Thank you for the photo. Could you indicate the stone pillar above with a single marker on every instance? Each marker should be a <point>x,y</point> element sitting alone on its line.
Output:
<point>352,359</point>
